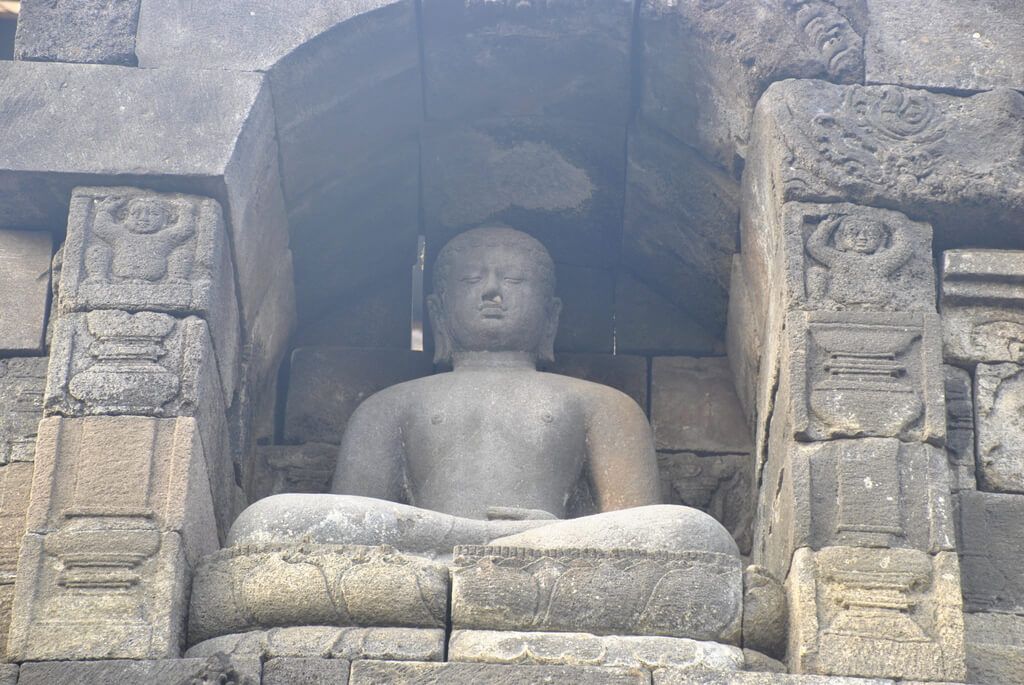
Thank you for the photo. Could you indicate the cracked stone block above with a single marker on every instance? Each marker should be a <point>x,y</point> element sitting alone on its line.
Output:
<point>995,648</point>
<point>329,642</point>
<point>22,382</point>
<point>559,180</point>
<point>567,60</point>
<point>247,587</point>
<point>120,511</point>
<point>451,673</point>
<point>681,224</point>
<point>858,374</point>
<point>93,31</point>
<point>876,613</point>
<point>983,306</point>
<point>24,289</point>
<point>328,383</point>
<point>706,62</point>
<point>963,46</point>
<point>999,424</point>
<point>584,649</point>
<point>626,373</point>
<point>871,492</point>
<point>991,557</point>
<point>136,250</point>
<point>213,670</point>
<point>670,676</point>
<point>287,671</point>
<point>694,407</point>
<point>696,595</point>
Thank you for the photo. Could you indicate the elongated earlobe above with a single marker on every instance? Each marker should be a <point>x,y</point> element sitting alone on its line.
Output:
<point>546,350</point>
<point>442,337</point>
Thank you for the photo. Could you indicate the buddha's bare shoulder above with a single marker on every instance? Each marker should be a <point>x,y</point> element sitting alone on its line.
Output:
<point>592,393</point>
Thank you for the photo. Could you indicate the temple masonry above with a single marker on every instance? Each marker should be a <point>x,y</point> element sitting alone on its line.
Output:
<point>789,234</point>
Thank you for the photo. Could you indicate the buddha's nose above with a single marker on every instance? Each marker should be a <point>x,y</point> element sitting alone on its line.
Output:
<point>492,290</point>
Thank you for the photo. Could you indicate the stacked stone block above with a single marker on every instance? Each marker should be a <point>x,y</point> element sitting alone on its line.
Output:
<point>841,364</point>
<point>983,325</point>
<point>134,477</point>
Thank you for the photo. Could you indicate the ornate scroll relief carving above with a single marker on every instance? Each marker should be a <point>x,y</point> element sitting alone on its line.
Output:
<point>326,585</point>
<point>866,374</point>
<point>694,594</point>
<point>848,257</point>
<point>983,305</point>
<point>114,362</point>
<point>831,35</point>
<point>999,419</point>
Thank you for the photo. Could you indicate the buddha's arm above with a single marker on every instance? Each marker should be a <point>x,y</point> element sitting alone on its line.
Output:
<point>371,460</point>
<point>622,462</point>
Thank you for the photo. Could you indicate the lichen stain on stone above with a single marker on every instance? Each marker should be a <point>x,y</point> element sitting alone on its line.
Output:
<point>492,178</point>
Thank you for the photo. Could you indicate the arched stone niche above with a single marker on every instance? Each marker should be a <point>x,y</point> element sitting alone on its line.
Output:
<point>628,141</point>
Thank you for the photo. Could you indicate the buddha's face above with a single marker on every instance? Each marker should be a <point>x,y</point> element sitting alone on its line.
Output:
<point>495,300</point>
<point>862,237</point>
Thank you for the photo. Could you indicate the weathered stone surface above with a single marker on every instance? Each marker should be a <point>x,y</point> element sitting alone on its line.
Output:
<point>247,587</point>
<point>329,642</point>
<point>559,180</point>
<point>721,485</point>
<point>764,613</point>
<point>995,648</point>
<point>293,468</point>
<point>9,674</point>
<point>405,673</point>
<point>203,131</point>
<point>22,381</point>
<point>567,60</point>
<point>24,286</point>
<point>983,306</point>
<point>854,374</point>
<point>623,372</point>
<point>758,662</point>
<point>990,552</point>
<point>670,676</point>
<point>115,362</point>
<point>584,649</point>
<point>694,406</point>
<point>587,319</point>
<point>15,488</point>
<point>871,492</point>
<point>889,613</point>
<point>236,671</point>
<point>306,671</point>
<point>97,31</point>
<point>937,157</point>
<point>960,429</point>
<point>696,594</point>
<point>706,62</point>
<point>120,510</point>
<point>137,251</point>
<point>373,316</point>
<point>744,333</point>
<point>328,383</point>
<point>648,323</point>
<point>964,46</point>
<point>846,257</point>
<point>999,422</point>
<point>681,224</point>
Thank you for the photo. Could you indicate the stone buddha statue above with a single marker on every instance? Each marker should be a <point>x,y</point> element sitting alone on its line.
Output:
<point>494,451</point>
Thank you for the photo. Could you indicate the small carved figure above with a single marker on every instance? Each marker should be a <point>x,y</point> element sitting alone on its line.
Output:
<point>861,255</point>
<point>140,237</point>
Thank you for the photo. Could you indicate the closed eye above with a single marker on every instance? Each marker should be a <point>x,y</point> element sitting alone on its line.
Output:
<point>513,280</point>
<point>470,279</point>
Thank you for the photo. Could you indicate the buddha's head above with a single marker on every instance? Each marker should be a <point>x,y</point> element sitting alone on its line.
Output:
<point>860,235</point>
<point>494,291</point>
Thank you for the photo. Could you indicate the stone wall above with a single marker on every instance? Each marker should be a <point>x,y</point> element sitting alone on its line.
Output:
<point>791,230</point>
